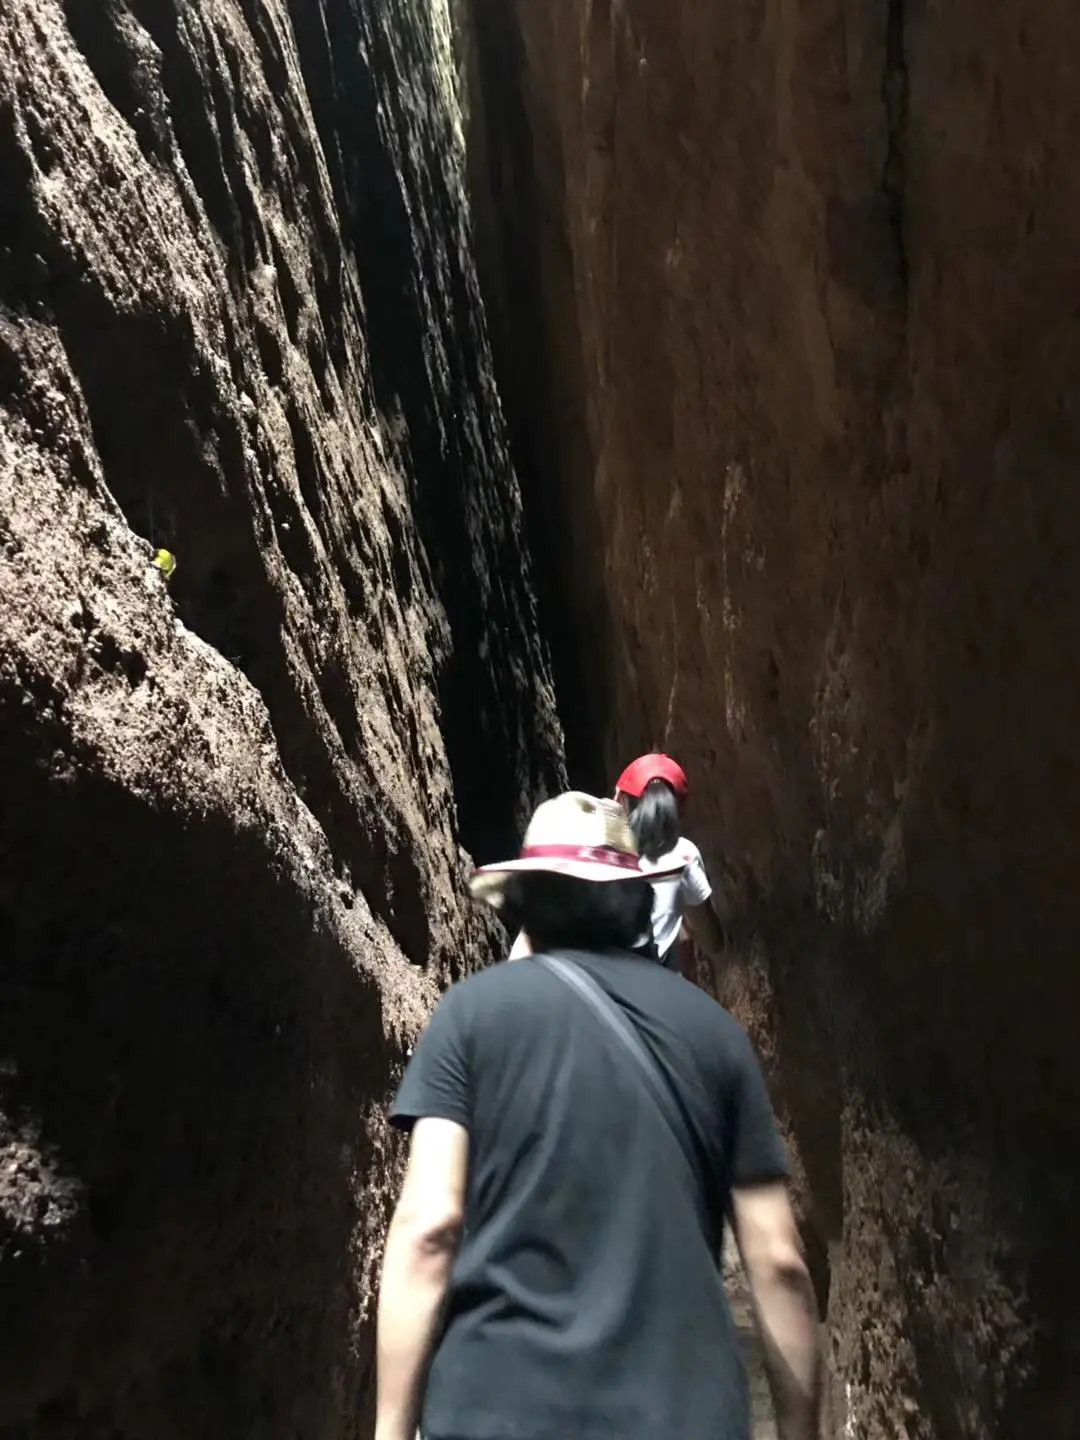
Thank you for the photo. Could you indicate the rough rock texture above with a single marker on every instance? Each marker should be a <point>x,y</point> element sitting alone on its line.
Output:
<point>813,268</point>
<point>238,319</point>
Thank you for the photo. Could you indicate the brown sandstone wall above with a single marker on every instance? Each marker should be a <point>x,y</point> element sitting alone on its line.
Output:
<point>814,268</point>
<point>238,318</point>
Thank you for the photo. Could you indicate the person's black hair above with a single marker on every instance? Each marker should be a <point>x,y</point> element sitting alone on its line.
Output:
<point>561,912</point>
<point>654,819</point>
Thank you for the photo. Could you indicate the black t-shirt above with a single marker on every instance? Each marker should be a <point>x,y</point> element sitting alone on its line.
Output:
<point>586,1300</point>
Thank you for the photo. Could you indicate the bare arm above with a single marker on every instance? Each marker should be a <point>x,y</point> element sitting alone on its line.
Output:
<point>783,1297</point>
<point>420,1249</point>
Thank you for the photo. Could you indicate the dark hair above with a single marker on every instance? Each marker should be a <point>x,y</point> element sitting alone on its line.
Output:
<point>562,912</point>
<point>654,819</point>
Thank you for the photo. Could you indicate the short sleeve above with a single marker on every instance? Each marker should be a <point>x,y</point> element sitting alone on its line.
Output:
<point>436,1080</point>
<point>756,1150</point>
<point>695,887</point>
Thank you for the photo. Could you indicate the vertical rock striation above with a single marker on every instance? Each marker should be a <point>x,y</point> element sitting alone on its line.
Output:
<point>239,319</point>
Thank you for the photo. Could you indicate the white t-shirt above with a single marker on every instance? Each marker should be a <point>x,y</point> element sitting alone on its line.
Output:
<point>672,896</point>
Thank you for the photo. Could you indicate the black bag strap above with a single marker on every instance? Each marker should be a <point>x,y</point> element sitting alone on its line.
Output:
<point>617,1025</point>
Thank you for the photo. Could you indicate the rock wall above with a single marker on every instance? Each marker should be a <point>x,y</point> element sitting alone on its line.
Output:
<point>239,319</point>
<point>812,270</point>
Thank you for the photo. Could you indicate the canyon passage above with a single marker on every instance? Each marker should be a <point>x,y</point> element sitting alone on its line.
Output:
<point>515,388</point>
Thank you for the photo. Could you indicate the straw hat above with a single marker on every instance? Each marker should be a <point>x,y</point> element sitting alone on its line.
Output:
<point>574,834</point>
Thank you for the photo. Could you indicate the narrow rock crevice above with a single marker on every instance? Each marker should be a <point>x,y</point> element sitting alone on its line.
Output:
<point>710,374</point>
<point>429,372</point>
<point>527,273</point>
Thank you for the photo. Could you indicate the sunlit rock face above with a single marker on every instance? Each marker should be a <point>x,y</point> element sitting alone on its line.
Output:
<point>239,321</point>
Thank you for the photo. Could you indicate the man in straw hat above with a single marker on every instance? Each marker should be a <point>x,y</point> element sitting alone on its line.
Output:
<point>581,1124</point>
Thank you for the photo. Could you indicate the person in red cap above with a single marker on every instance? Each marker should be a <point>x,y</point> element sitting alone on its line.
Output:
<point>652,790</point>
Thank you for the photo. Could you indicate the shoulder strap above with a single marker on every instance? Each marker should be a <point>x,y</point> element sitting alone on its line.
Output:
<point>619,1027</point>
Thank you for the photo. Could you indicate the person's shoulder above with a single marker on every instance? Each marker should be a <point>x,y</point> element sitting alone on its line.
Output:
<point>684,852</point>
<point>710,1018</point>
<point>687,851</point>
<point>470,1004</point>
<point>500,1004</point>
<point>482,986</point>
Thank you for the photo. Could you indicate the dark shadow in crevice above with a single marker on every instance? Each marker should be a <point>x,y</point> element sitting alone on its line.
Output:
<point>309,470</point>
<point>99,32</point>
<point>388,166</point>
<point>200,112</point>
<point>189,1047</point>
<point>526,277</point>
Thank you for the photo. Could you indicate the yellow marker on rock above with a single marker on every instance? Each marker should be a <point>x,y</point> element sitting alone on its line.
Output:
<point>165,561</point>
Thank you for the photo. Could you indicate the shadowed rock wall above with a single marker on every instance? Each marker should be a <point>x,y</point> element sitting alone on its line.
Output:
<point>816,267</point>
<point>239,319</point>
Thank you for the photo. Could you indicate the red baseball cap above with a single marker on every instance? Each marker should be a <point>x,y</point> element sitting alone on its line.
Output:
<point>639,772</point>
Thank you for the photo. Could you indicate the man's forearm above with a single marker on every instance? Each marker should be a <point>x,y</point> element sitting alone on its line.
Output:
<point>787,1323</point>
<point>416,1272</point>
